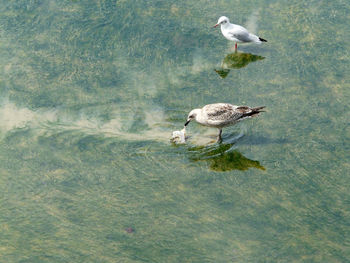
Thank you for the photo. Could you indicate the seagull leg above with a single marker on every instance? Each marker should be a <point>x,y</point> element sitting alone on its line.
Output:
<point>236,47</point>
<point>219,136</point>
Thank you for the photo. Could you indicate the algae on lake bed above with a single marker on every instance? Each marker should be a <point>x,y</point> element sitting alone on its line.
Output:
<point>91,92</point>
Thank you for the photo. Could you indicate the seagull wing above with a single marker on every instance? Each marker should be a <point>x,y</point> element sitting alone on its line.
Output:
<point>222,113</point>
<point>240,33</point>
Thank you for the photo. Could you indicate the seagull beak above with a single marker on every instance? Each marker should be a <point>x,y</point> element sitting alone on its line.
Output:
<point>216,25</point>
<point>187,122</point>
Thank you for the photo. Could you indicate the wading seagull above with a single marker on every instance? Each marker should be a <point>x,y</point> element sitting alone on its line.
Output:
<point>220,115</point>
<point>237,33</point>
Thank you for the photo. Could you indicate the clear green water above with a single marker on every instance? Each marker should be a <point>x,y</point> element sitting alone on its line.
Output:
<point>91,91</point>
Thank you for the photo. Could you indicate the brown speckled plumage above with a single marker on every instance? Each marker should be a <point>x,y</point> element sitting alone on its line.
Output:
<point>219,115</point>
<point>223,114</point>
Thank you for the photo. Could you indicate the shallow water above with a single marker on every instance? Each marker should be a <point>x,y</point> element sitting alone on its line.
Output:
<point>91,92</point>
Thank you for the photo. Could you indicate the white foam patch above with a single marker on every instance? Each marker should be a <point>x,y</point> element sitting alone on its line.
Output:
<point>49,122</point>
<point>118,127</point>
<point>13,117</point>
<point>154,117</point>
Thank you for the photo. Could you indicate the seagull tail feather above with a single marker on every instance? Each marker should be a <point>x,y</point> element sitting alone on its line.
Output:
<point>259,109</point>
<point>262,40</point>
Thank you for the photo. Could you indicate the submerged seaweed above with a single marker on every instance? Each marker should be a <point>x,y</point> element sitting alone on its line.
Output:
<point>223,158</point>
<point>91,92</point>
<point>236,60</point>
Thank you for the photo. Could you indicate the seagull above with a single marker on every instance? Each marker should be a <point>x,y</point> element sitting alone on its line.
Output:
<point>237,33</point>
<point>220,115</point>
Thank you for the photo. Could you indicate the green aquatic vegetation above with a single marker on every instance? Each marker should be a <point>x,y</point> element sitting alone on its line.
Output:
<point>236,60</point>
<point>239,60</point>
<point>233,161</point>
<point>91,92</point>
<point>223,158</point>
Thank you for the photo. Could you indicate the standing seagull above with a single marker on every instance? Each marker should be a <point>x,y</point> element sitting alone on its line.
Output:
<point>220,115</point>
<point>237,33</point>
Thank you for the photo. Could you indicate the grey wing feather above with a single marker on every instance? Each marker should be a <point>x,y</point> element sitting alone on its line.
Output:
<point>241,33</point>
<point>222,113</point>
<point>244,37</point>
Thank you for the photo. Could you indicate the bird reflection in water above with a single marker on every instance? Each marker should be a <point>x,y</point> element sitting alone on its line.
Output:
<point>235,61</point>
<point>221,158</point>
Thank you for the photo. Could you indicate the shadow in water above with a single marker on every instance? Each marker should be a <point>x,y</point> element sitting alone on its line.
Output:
<point>223,157</point>
<point>235,61</point>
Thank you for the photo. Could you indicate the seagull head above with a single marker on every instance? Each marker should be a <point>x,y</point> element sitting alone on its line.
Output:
<point>223,20</point>
<point>192,115</point>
